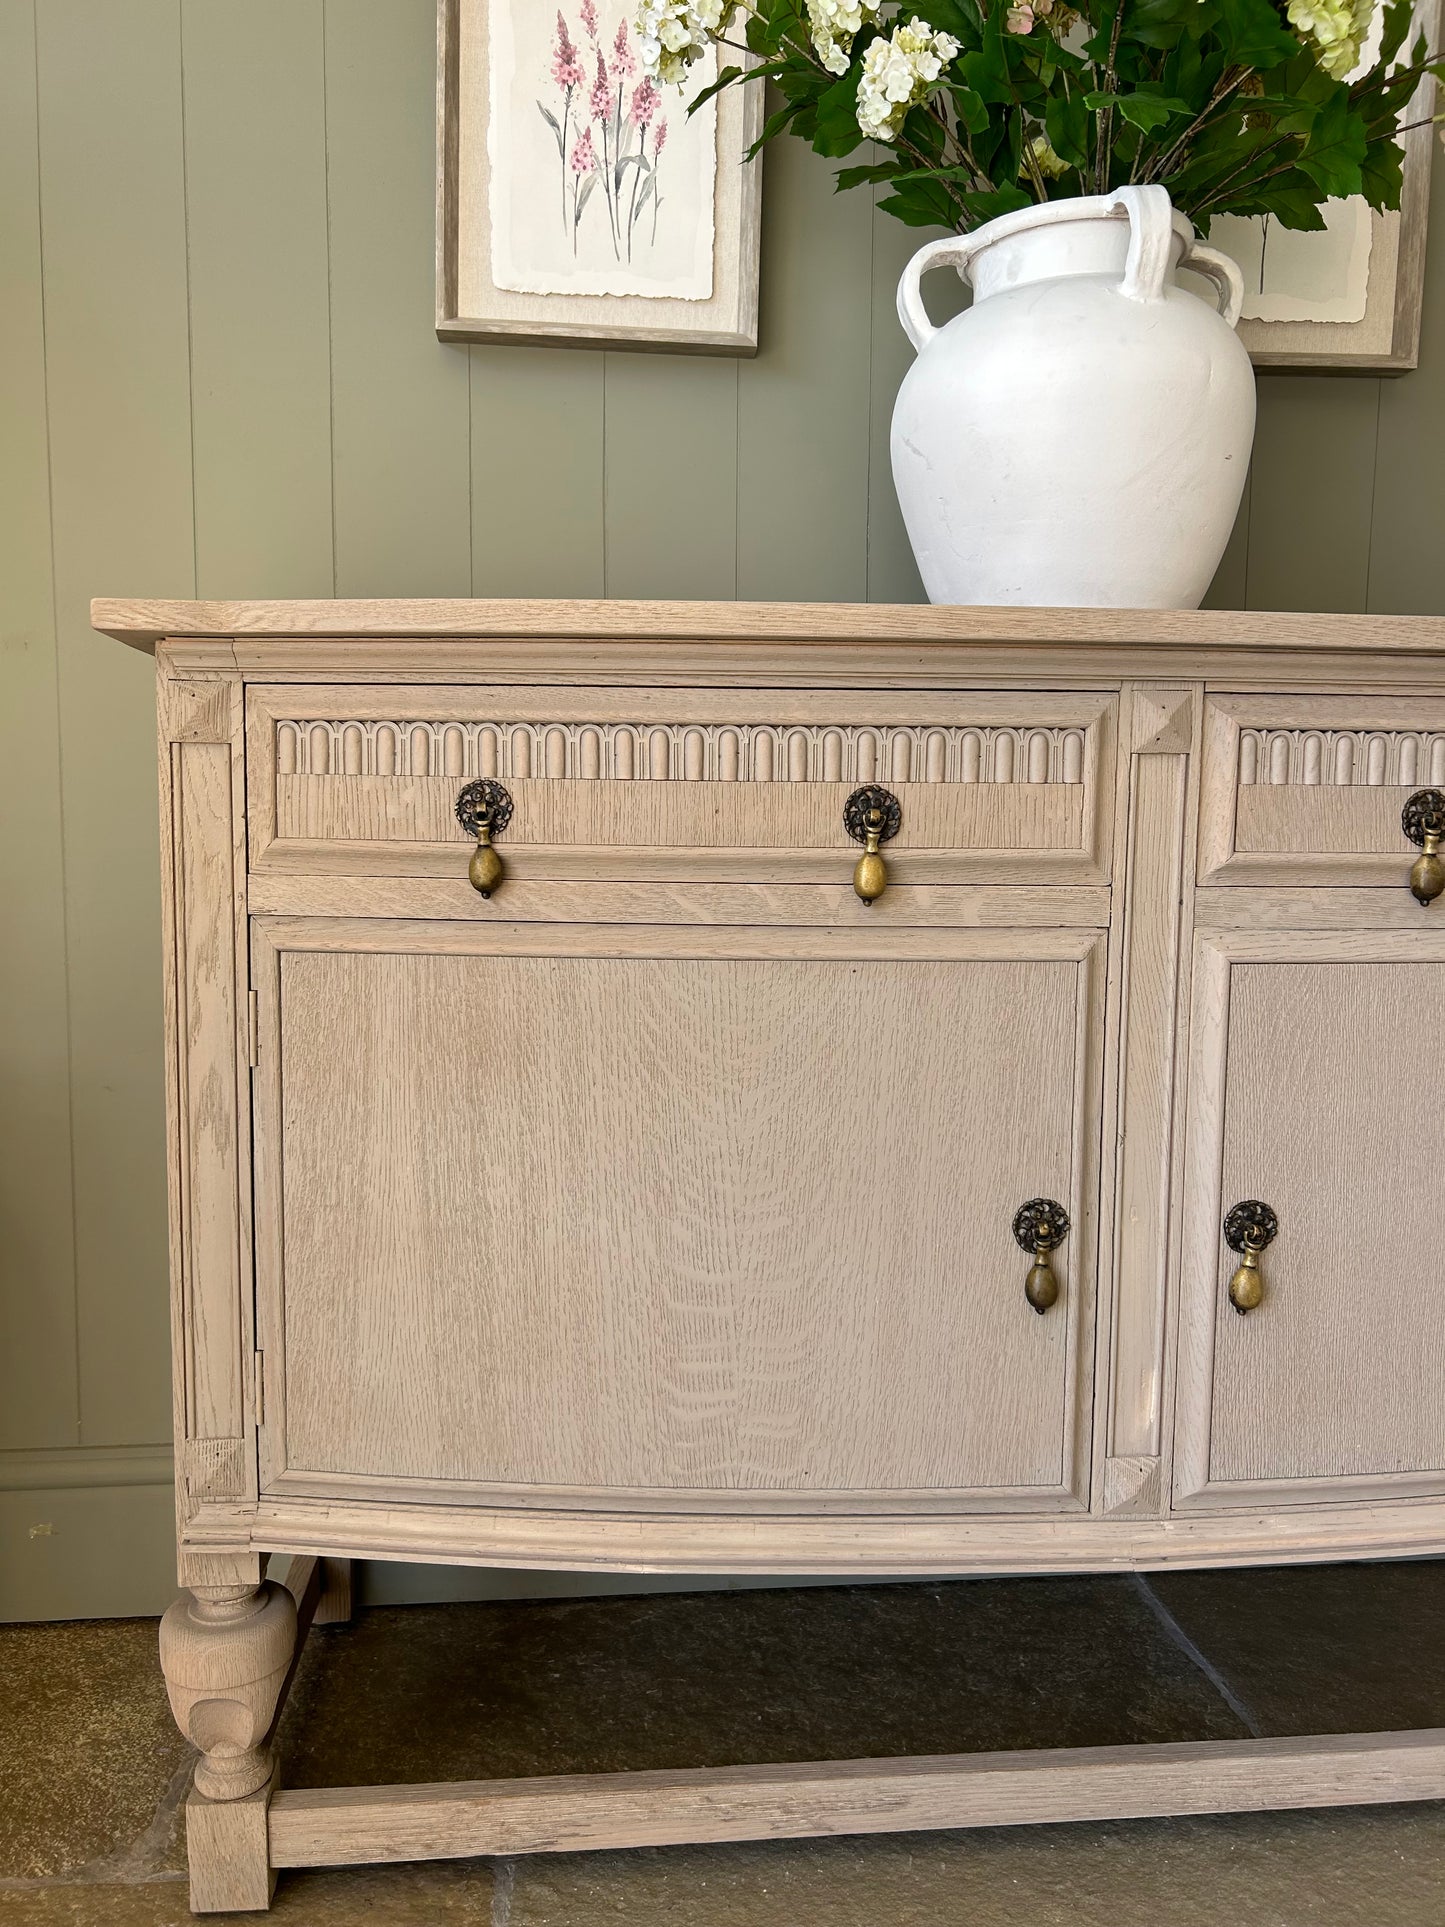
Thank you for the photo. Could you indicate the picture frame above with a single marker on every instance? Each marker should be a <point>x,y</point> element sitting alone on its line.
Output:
<point>540,238</point>
<point>1350,299</point>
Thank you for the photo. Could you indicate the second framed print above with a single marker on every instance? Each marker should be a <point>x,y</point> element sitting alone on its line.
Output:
<point>577,200</point>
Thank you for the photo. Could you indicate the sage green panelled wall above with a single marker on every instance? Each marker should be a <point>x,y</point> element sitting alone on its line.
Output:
<point>218,377</point>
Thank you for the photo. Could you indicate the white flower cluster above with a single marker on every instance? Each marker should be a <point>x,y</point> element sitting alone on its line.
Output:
<point>1338,29</point>
<point>675,33</point>
<point>836,25</point>
<point>897,74</point>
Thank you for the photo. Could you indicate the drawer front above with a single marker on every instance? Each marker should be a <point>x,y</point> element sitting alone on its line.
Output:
<point>1303,791</point>
<point>743,786</point>
<point>710,1221</point>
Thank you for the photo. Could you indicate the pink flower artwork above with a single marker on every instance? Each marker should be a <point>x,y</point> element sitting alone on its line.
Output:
<point>566,63</point>
<point>605,142</point>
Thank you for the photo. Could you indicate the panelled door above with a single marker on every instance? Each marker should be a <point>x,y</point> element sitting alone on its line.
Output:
<point>713,1218</point>
<point>1315,1091</point>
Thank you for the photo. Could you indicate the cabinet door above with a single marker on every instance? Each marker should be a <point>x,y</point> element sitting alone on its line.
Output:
<point>1316,1089</point>
<point>670,1217</point>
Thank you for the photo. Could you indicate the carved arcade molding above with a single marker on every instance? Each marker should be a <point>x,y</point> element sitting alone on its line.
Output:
<point>683,752</point>
<point>1341,758</point>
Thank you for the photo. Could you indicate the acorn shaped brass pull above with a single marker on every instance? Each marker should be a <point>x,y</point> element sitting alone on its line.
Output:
<point>871,816</point>
<point>1423,821</point>
<point>1249,1229</point>
<point>1040,1226</point>
<point>484,809</point>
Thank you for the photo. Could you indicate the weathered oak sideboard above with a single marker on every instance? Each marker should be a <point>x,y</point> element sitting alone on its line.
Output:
<point>667,1087</point>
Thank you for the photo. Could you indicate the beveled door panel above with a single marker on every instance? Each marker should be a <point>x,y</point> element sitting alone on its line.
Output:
<point>1315,1091</point>
<point>670,1217</point>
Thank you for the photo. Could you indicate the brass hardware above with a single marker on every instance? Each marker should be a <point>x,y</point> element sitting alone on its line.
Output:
<point>871,816</point>
<point>1249,1229</point>
<point>484,809</point>
<point>1423,821</point>
<point>1041,1226</point>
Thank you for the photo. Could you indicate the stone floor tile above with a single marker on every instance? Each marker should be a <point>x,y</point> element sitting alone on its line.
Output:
<point>1321,1649</point>
<point>1378,1867</point>
<point>480,1690</point>
<point>451,1894</point>
<point>88,1748</point>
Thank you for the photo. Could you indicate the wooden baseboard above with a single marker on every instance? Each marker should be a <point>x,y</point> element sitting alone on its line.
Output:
<point>345,1826</point>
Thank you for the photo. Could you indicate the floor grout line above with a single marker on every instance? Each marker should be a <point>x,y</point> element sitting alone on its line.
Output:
<point>1191,1652</point>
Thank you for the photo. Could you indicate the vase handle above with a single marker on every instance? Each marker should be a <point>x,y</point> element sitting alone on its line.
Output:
<point>953,251</point>
<point>1151,241</point>
<point>1224,273</point>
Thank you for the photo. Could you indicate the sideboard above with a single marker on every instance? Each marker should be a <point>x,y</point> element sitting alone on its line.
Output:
<point>664,1087</point>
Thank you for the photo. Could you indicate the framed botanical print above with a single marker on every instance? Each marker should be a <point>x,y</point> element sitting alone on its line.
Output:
<point>577,200</point>
<point>1350,297</point>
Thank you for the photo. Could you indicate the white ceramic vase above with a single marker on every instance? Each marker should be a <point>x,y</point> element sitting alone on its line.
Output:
<point>1080,435</point>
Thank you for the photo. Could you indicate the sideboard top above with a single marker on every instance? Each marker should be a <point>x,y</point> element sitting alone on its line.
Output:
<point>143,624</point>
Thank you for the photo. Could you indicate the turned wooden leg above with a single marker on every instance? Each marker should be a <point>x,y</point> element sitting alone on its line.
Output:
<point>226,1652</point>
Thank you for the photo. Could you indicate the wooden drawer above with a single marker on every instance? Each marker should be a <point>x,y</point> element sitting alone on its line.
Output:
<point>1307,790</point>
<point>681,785</point>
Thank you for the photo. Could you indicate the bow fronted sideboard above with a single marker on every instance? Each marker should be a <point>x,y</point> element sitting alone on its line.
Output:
<point>664,1087</point>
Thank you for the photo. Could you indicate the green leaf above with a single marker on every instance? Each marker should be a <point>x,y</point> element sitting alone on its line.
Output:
<point>847,177</point>
<point>961,18</point>
<point>1142,110</point>
<point>1066,122</point>
<point>999,200</point>
<point>1253,34</point>
<point>1381,177</point>
<point>971,111</point>
<point>836,130</point>
<point>1334,153</point>
<point>925,203</point>
<point>1398,16</point>
<point>724,79</point>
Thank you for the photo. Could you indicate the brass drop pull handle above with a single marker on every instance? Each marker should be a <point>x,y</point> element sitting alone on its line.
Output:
<point>1250,1228</point>
<point>871,816</point>
<point>1423,821</point>
<point>1041,1226</point>
<point>484,809</point>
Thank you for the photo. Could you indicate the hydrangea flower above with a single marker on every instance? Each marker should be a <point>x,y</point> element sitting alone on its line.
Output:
<point>1338,29</point>
<point>1020,19</point>
<point>675,33</point>
<point>836,24</point>
<point>1051,165</point>
<point>897,74</point>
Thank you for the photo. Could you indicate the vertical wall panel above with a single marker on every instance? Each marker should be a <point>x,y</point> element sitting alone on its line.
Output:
<point>400,435</point>
<point>803,404</point>
<point>37,1269</point>
<point>255,104</point>
<point>113,212</point>
<point>1230,587</point>
<point>537,466</point>
<point>1312,479</point>
<point>672,476</point>
<point>892,572</point>
<point>1407,554</point>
